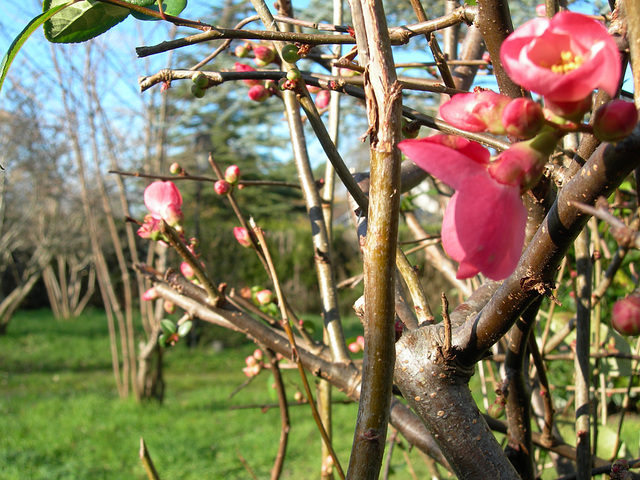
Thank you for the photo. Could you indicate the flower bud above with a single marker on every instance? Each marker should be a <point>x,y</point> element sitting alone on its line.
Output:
<point>241,67</point>
<point>479,111</point>
<point>257,354</point>
<point>541,10</point>
<point>187,271</point>
<point>150,294</point>
<point>175,168</point>
<point>197,91</point>
<point>347,72</point>
<point>242,236</point>
<point>243,50</point>
<point>522,163</point>
<point>200,79</point>
<point>625,316</point>
<point>222,187</point>
<point>573,111</point>
<point>290,53</point>
<point>169,307</point>
<point>258,93</point>
<point>263,55</point>
<point>322,99</point>
<point>353,347</point>
<point>264,297</point>
<point>615,120</point>
<point>250,361</point>
<point>232,174</point>
<point>522,118</point>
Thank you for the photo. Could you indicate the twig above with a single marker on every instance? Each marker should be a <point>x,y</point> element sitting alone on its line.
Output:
<point>147,462</point>
<point>284,415</point>
<point>246,465</point>
<point>294,352</point>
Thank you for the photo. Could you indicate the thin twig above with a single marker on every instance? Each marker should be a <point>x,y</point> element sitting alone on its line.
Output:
<point>147,462</point>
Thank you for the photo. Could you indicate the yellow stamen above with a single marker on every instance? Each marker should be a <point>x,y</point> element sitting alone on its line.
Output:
<point>568,62</point>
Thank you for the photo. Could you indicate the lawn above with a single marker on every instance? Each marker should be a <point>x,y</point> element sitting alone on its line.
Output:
<point>61,418</point>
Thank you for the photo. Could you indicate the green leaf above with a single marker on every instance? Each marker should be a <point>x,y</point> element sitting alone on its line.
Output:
<point>81,21</point>
<point>17,43</point>
<point>168,326</point>
<point>170,7</point>
<point>185,328</point>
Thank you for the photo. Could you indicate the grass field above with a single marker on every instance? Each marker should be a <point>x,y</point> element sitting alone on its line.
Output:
<point>61,418</point>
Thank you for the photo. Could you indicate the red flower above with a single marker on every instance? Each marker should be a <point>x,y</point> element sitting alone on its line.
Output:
<point>484,224</point>
<point>615,120</point>
<point>564,59</point>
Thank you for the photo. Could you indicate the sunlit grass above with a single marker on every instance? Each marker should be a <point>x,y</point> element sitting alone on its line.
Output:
<point>61,418</point>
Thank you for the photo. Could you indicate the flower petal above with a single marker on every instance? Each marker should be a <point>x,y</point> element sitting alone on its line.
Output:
<point>447,157</point>
<point>486,227</point>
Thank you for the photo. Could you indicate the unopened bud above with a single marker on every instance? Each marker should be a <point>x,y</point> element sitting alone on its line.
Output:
<point>150,294</point>
<point>169,307</point>
<point>259,93</point>
<point>625,316</point>
<point>175,168</point>
<point>522,118</point>
<point>241,67</point>
<point>264,297</point>
<point>322,99</point>
<point>263,55</point>
<point>290,53</point>
<point>242,50</point>
<point>615,120</point>
<point>187,271</point>
<point>232,174</point>
<point>242,236</point>
<point>222,187</point>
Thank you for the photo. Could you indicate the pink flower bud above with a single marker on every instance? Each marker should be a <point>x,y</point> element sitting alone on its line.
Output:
<point>250,361</point>
<point>257,354</point>
<point>259,93</point>
<point>347,72</point>
<point>264,55</point>
<point>625,316</point>
<point>298,397</point>
<point>231,174</point>
<point>360,341</point>
<point>522,164</point>
<point>313,89</point>
<point>354,347</point>
<point>252,371</point>
<point>322,99</point>
<point>187,271</point>
<point>242,236</point>
<point>615,120</point>
<point>150,294</point>
<point>151,228</point>
<point>241,67</point>
<point>169,307</point>
<point>222,187</point>
<point>522,118</point>
<point>164,201</point>
<point>175,168</point>
<point>476,112</point>
<point>541,10</point>
<point>264,297</point>
<point>573,111</point>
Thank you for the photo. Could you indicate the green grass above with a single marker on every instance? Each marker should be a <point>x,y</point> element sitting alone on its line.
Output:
<point>61,418</point>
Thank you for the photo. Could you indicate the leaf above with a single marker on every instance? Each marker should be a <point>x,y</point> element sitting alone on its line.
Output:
<point>170,7</point>
<point>17,43</point>
<point>168,327</point>
<point>82,21</point>
<point>185,328</point>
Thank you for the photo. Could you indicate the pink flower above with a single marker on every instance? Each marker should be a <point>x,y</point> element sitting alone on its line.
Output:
<point>322,99</point>
<point>164,201</point>
<point>242,236</point>
<point>241,67</point>
<point>476,112</point>
<point>541,10</point>
<point>564,59</point>
<point>151,228</point>
<point>615,120</point>
<point>264,297</point>
<point>259,93</point>
<point>484,224</point>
